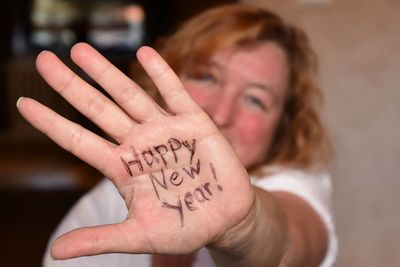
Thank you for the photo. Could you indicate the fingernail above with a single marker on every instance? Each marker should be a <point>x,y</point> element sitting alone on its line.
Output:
<point>43,51</point>
<point>19,100</point>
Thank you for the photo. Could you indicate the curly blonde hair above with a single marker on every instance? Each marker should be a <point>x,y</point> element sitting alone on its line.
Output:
<point>301,140</point>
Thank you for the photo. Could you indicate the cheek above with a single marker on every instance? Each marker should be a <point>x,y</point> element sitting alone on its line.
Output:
<point>254,130</point>
<point>254,136</point>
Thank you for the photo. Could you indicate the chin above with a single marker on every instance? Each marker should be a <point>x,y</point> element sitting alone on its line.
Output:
<point>251,164</point>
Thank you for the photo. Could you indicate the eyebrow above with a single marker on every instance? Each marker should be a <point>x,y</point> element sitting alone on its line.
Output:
<point>262,87</point>
<point>215,65</point>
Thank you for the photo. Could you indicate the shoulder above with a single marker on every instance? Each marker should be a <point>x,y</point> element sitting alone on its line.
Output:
<point>101,205</point>
<point>103,201</point>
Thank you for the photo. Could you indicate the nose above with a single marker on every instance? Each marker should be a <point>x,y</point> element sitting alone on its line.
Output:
<point>223,112</point>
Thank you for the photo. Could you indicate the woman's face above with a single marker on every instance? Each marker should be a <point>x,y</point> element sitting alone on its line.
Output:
<point>243,92</point>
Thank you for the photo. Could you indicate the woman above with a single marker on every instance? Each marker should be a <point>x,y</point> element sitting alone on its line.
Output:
<point>227,171</point>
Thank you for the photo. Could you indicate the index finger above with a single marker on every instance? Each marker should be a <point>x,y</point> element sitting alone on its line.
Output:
<point>167,82</point>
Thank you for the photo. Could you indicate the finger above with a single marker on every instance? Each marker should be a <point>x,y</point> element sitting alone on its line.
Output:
<point>122,89</point>
<point>167,82</point>
<point>88,100</point>
<point>72,137</point>
<point>122,238</point>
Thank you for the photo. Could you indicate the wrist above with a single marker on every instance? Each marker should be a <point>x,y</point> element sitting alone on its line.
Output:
<point>260,239</point>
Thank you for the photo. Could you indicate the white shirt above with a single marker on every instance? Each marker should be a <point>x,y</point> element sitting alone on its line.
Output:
<point>104,205</point>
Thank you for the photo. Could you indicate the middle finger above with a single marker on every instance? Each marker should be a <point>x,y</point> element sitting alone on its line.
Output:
<point>85,98</point>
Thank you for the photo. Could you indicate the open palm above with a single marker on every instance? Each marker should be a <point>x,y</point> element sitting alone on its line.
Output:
<point>183,185</point>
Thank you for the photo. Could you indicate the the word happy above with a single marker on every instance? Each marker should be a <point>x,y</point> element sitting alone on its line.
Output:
<point>157,154</point>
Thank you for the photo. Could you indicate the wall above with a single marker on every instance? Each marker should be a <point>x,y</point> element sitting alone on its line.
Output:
<point>358,43</point>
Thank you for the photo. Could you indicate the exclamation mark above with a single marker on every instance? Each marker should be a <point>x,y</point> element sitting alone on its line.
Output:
<point>215,176</point>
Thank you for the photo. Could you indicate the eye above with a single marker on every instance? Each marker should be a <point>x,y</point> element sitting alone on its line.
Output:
<point>206,76</point>
<point>255,102</point>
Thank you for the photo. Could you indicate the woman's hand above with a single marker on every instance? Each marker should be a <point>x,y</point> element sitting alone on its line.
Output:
<point>183,185</point>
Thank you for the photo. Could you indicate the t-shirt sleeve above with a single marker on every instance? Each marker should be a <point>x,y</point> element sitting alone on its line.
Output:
<point>316,190</point>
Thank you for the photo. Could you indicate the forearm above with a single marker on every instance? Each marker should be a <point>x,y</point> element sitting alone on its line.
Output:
<point>259,240</point>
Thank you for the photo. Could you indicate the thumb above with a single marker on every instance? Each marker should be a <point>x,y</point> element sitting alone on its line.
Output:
<point>124,237</point>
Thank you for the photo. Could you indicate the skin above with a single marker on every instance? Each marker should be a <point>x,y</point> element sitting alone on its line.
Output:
<point>254,226</point>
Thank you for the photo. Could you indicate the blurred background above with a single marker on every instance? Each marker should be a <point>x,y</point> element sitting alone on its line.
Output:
<point>357,42</point>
